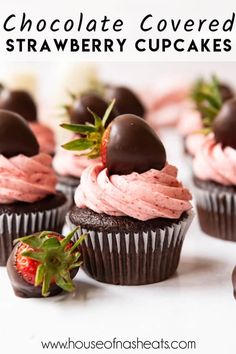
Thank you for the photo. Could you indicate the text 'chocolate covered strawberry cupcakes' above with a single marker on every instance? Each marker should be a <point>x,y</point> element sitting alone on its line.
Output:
<point>28,199</point>
<point>132,206</point>
<point>22,103</point>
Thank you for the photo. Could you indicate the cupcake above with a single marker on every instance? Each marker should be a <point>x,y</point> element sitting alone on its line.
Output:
<point>69,165</point>
<point>215,176</point>
<point>134,210</point>
<point>28,199</point>
<point>22,103</point>
<point>205,99</point>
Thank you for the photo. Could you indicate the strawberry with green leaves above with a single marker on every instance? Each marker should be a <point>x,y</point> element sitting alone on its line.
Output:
<point>44,264</point>
<point>209,98</point>
<point>217,105</point>
<point>128,144</point>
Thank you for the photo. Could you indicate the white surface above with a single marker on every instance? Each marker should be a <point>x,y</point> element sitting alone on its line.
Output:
<point>196,304</point>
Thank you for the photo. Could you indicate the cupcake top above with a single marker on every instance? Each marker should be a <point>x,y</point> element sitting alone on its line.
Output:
<point>67,163</point>
<point>26,175</point>
<point>133,177</point>
<point>215,163</point>
<point>45,137</point>
<point>216,159</point>
<point>164,109</point>
<point>22,103</point>
<point>143,196</point>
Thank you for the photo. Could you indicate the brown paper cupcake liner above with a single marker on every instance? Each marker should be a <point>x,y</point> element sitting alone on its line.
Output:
<point>133,258</point>
<point>217,213</point>
<point>16,225</point>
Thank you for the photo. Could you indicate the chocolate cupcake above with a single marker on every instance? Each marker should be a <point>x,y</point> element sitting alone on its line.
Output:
<point>215,177</point>
<point>28,200</point>
<point>134,210</point>
<point>22,103</point>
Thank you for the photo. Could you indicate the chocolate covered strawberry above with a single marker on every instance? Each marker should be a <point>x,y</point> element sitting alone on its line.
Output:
<point>44,264</point>
<point>219,116</point>
<point>127,145</point>
<point>20,102</point>
<point>78,110</point>
<point>15,136</point>
<point>209,98</point>
<point>224,126</point>
<point>226,92</point>
<point>126,100</point>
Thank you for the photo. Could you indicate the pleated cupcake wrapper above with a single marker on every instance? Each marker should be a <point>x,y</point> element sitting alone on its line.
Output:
<point>69,192</point>
<point>16,225</point>
<point>133,258</point>
<point>217,213</point>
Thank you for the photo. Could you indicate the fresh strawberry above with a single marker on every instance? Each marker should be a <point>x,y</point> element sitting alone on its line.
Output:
<point>43,263</point>
<point>104,143</point>
<point>127,145</point>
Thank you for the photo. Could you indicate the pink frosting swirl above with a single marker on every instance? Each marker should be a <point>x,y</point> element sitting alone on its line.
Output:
<point>142,196</point>
<point>163,110</point>
<point>190,121</point>
<point>26,179</point>
<point>194,142</point>
<point>67,163</point>
<point>45,137</point>
<point>215,163</point>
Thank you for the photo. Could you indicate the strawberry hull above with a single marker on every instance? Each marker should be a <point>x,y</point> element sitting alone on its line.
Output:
<point>22,288</point>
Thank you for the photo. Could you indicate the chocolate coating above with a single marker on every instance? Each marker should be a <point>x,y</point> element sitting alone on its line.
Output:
<point>15,136</point>
<point>234,281</point>
<point>20,102</point>
<point>126,100</point>
<point>224,125</point>
<point>79,113</point>
<point>226,92</point>
<point>133,146</point>
<point>21,287</point>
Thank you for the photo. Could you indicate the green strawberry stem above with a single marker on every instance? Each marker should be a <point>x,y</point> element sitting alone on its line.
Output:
<point>92,134</point>
<point>55,258</point>
<point>206,96</point>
